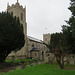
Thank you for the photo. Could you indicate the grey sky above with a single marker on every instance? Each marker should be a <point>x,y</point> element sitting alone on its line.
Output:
<point>43,16</point>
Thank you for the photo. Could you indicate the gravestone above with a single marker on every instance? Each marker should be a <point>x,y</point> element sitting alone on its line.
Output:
<point>72,59</point>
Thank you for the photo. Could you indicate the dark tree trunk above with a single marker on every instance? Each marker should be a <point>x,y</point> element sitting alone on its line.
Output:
<point>62,66</point>
<point>60,62</point>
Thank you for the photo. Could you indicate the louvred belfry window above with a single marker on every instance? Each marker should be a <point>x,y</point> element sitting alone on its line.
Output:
<point>22,16</point>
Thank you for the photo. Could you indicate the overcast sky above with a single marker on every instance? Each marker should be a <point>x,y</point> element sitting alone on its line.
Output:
<point>42,16</point>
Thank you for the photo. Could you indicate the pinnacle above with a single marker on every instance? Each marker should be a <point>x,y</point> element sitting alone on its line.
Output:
<point>17,1</point>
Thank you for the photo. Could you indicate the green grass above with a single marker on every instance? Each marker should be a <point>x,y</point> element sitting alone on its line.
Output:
<point>42,69</point>
<point>68,65</point>
<point>19,60</point>
<point>8,60</point>
<point>28,59</point>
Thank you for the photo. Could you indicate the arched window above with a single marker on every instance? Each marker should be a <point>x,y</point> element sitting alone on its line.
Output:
<point>22,16</point>
<point>32,45</point>
<point>45,39</point>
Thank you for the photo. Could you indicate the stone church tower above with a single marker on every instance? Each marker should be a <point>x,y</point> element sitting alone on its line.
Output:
<point>20,12</point>
<point>46,38</point>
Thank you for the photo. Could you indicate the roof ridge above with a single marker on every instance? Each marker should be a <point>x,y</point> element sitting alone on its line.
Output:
<point>34,39</point>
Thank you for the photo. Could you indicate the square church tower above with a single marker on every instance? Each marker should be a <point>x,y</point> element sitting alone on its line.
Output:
<point>20,12</point>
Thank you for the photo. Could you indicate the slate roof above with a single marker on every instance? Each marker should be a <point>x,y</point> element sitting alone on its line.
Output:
<point>34,39</point>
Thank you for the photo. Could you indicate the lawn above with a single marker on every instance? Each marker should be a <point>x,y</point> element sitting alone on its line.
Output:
<point>19,60</point>
<point>42,69</point>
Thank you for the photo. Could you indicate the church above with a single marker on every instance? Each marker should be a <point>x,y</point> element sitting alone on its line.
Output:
<point>33,47</point>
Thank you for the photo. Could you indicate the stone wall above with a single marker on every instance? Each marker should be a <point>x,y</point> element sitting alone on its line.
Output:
<point>71,59</point>
<point>47,38</point>
<point>36,44</point>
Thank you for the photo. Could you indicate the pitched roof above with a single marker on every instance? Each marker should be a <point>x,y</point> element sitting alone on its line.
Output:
<point>34,39</point>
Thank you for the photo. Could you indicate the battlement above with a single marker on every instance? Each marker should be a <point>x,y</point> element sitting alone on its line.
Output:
<point>16,5</point>
<point>48,34</point>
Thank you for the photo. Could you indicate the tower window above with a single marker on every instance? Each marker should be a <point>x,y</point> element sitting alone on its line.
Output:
<point>22,16</point>
<point>45,39</point>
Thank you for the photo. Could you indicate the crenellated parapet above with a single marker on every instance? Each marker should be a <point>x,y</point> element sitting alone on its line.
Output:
<point>15,5</point>
<point>46,34</point>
